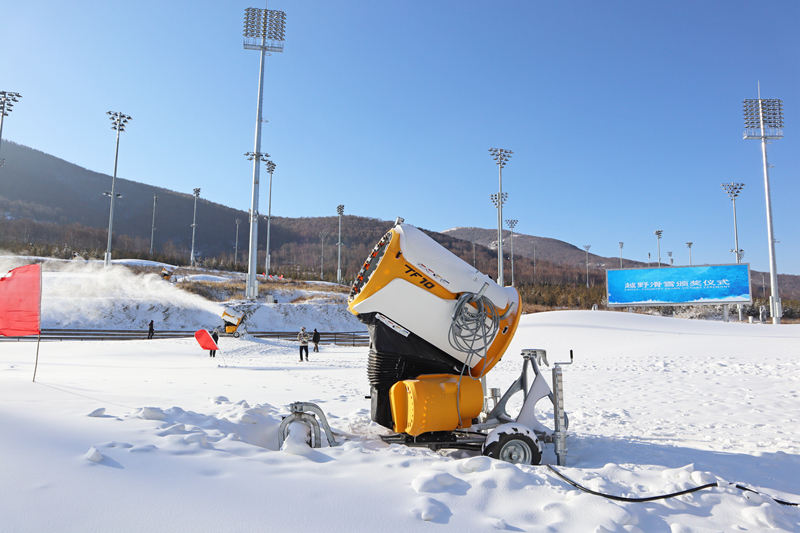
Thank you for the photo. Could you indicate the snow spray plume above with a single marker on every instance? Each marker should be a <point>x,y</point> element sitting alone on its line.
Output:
<point>83,295</point>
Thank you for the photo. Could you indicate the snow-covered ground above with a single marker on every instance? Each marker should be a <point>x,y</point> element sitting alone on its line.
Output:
<point>190,443</point>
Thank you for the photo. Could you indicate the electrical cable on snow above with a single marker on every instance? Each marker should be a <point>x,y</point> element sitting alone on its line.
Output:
<point>662,496</point>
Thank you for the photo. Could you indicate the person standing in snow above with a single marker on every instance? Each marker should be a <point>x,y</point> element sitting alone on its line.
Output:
<point>150,331</point>
<point>315,340</point>
<point>303,338</point>
<point>215,336</point>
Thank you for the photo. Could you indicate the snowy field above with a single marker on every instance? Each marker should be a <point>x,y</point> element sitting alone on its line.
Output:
<point>189,443</point>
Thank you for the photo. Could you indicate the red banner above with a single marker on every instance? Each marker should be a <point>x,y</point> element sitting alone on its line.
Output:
<point>21,301</point>
<point>205,340</point>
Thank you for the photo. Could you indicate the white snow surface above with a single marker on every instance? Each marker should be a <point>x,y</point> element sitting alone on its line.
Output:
<point>190,443</point>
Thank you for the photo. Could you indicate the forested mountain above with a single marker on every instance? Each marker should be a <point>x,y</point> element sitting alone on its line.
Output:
<point>552,250</point>
<point>51,207</point>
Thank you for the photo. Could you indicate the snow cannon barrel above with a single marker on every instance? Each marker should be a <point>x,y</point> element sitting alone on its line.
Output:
<point>428,312</point>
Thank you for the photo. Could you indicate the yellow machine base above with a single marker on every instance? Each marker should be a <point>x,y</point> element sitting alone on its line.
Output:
<point>433,402</point>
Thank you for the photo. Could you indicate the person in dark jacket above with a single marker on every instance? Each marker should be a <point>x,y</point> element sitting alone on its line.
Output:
<point>150,331</point>
<point>215,336</point>
<point>315,339</point>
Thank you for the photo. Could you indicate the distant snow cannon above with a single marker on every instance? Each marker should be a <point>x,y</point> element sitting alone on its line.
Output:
<point>231,320</point>
<point>437,326</point>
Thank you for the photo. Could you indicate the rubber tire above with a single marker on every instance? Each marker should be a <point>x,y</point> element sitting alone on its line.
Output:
<point>514,448</point>
<point>235,334</point>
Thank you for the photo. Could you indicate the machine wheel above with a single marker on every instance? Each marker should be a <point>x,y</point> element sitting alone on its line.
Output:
<point>235,334</point>
<point>513,443</point>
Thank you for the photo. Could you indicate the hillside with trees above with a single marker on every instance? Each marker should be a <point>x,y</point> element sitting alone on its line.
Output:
<point>49,207</point>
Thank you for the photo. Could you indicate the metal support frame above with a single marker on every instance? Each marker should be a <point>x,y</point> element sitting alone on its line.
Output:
<point>307,413</point>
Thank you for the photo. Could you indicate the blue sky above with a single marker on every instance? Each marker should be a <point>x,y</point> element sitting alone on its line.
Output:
<point>624,117</point>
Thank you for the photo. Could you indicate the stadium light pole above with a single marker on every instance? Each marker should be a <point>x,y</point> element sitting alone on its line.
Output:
<point>322,235</point>
<point>118,123</point>
<point>586,247</point>
<point>499,201</point>
<point>689,245</point>
<point>733,190</point>
<point>621,244</point>
<point>340,210</point>
<point>263,31</point>
<point>153,226</point>
<point>7,101</point>
<point>763,119</point>
<point>658,233</point>
<point>270,168</point>
<point>251,288</point>
<point>512,223</point>
<point>194,222</point>
<point>236,248</point>
<point>670,258</point>
<point>500,157</point>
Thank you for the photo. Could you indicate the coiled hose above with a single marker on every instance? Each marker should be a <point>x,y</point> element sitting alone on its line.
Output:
<point>473,330</point>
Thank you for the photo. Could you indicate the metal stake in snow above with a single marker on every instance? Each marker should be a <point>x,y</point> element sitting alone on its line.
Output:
<point>763,119</point>
<point>263,31</point>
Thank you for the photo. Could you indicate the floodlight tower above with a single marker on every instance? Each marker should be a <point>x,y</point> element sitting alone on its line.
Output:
<point>621,244</point>
<point>658,233</point>
<point>340,210</point>
<point>763,119</point>
<point>733,190</point>
<point>7,101</point>
<point>118,123</point>
<point>501,157</point>
<point>512,224</point>
<point>270,168</point>
<point>263,31</point>
<point>670,258</point>
<point>251,288</point>
<point>236,248</point>
<point>322,235</point>
<point>153,227</point>
<point>689,245</point>
<point>194,222</point>
<point>586,247</point>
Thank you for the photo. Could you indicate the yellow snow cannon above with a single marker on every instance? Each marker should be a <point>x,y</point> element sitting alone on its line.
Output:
<point>437,326</point>
<point>231,320</point>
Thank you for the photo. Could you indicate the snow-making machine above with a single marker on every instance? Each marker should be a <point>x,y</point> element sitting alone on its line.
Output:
<point>235,315</point>
<point>437,326</point>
